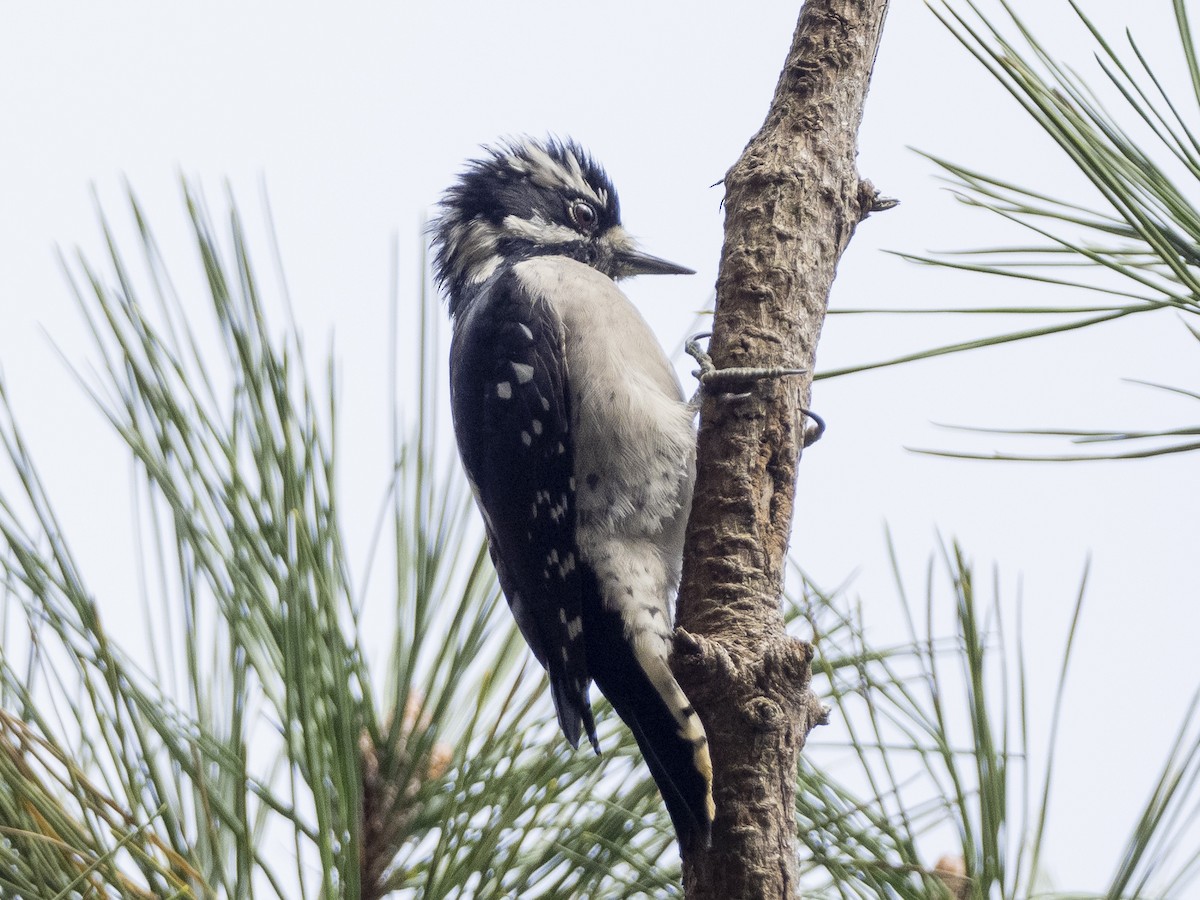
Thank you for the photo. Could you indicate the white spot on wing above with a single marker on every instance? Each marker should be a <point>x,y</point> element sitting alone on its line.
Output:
<point>523,372</point>
<point>504,390</point>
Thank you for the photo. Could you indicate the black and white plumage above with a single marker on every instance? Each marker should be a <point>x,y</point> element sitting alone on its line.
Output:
<point>580,449</point>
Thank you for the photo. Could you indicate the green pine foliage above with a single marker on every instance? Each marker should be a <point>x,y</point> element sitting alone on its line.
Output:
<point>1132,249</point>
<point>258,752</point>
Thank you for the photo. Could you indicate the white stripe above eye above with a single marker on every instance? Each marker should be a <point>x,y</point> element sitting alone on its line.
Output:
<point>540,231</point>
<point>546,171</point>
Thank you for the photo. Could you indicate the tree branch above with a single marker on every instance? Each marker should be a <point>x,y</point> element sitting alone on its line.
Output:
<point>792,202</point>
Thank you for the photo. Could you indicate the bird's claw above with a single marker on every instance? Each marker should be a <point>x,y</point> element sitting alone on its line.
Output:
<point>713,379</point>
<point>813,434</point>
<point>719,380</point>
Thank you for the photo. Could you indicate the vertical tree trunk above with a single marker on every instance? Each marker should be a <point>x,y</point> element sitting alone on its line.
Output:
<point>792,202</point>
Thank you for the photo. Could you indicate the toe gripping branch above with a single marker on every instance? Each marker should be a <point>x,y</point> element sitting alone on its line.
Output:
<point>723,381</point>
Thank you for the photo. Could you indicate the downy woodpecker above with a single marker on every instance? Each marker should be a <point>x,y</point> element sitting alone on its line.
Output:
<point>578,445</point>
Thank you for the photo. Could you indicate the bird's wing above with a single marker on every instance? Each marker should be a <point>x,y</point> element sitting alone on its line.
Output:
<point>512,417</point>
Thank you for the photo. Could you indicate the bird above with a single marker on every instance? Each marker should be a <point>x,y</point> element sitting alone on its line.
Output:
<point>578,445</point>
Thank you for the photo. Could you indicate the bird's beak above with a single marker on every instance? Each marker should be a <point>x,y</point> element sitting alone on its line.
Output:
<point>634,262</point>
<point>626,259</point>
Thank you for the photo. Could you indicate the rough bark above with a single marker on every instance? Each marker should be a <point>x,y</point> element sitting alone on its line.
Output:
<point>792,202</point>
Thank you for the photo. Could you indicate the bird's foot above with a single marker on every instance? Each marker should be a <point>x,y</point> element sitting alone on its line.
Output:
<point>719,382</point>
<point>814,430</point>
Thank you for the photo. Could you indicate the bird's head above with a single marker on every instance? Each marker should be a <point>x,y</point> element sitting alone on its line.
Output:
<point>528,198</point>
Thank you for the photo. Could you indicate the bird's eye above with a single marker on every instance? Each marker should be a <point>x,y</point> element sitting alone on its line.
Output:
<point>582,214</point>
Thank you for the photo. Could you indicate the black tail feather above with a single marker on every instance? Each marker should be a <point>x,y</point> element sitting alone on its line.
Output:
<point>574,711</point>
<point>670,756</point>
<point>684,790</point>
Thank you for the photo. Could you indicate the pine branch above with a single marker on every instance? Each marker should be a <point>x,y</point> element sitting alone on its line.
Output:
<point>793,201</point>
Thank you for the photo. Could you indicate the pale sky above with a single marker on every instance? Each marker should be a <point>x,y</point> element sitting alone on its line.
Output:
<point>356,119</point>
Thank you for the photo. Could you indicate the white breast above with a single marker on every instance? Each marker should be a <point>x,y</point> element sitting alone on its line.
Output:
<point>634,440</point>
